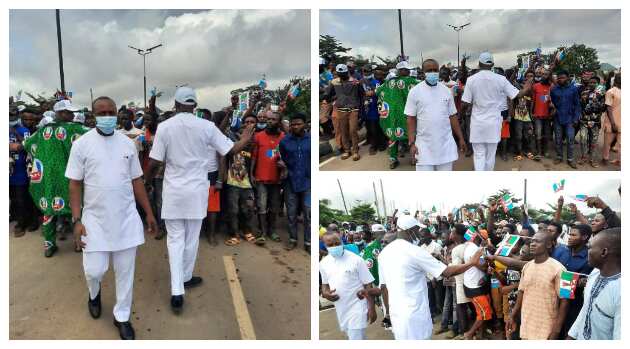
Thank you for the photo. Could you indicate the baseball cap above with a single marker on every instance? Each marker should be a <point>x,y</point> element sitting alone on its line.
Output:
<point>186,96</point>
<point>403,65</point>
<point>64,104</point>
<point>377,227</point>
<point>407,222</point>
<point>486,58</point>
<point>341,68</point>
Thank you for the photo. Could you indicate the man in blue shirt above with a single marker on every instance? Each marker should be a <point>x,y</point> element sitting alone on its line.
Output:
<point>375,136</point>
<point>565,97</point>
<point>295,150</point>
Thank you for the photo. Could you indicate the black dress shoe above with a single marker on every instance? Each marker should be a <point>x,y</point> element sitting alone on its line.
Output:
<point>50,251</point>
<point>194,281</point>
<point>94,306</point>
<point>177,303</point>
<point>125,330</point>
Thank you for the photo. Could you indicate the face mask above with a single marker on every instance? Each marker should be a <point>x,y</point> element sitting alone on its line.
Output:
<point>107,124</point>
<point>335,251</point>
<point>538,79</point>
<point>261,126</point>
<point>432,78</point>
<point>369,76</point>
<point>14,123</point>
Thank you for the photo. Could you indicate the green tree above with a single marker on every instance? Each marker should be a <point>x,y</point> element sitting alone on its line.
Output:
<point>363,213</point>
<point>579,58</point>
<point>515,213</point>
<point>331,49</point>
<point>328,215</point>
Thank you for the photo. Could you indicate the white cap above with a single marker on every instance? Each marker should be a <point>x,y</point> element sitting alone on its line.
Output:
<point>406,211</point>
<point>486,58</point>
<point>322,61</point>
<point>341,68</point>
<point>403,65</point>
<point>186,96</point>
<point>407,222</point>
<point>79,117</point>
<point>139,112</point>
<point>377,227</point>
<point>64,104</point>
<point>413,73</point>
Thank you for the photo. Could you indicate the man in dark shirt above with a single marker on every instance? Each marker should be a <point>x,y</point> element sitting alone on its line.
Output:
<point>566,99</point>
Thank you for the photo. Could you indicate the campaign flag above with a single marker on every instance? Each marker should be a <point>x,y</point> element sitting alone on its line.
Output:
<point>470,233</point>
<point>507,203</point>
<point>431,229</point>
<point>580,197</point>
<point>560,55</point>
<point>568,283</point>
<point>507,245</point>
<point>495,283</point>
<point>262,83</point>
<point>538,52</point>
<point>433,209</point>
<point>294,91</point>
<point>558,186</point>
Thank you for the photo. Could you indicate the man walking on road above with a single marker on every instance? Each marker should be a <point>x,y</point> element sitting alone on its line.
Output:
<point>104,177</point>
<point>486,92</point>
<point>182,142</point>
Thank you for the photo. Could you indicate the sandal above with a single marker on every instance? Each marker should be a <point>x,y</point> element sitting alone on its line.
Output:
<point>275,237</point>
<point>518,157</point>
<point>250,237</point>
<point>594,164</point>
<point>260,241</point>
<point>530,156</point>
<point>233,241</point>
<point>537,157</point>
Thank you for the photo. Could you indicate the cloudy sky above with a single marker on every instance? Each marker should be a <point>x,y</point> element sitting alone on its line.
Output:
<point>212,51</point>
<point>503,32</point>
<point>410,191</point>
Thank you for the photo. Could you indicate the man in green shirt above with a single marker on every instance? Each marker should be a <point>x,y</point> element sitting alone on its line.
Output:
<point>49,149</point>
<point>392,96</point>
<point>370,253</point>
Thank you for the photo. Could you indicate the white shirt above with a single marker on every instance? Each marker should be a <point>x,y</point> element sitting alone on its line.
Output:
<point>402,267</point>
<point>133,133</point>
<point>107,165</point>
<point>433,248</point>
<point>457,257</point>
<point>183,143</point>
<point>487,92</point>
<point>433,107</point>
<point>473,274</point>
<point>347,275</point>
<point>213,163</point>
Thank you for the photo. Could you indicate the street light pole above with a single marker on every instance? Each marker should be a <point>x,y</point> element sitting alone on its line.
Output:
<point>144,53</point>
<point>458,29</point>
<point>63,83</point>
<point>402,49</point>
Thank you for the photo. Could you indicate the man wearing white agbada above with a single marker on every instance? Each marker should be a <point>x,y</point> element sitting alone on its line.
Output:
<point>431,122</point>
<point>103,167</point>
<point>347,281</point>
<point>402,270</point>
<point>487,91</point>
<point>183,143</point>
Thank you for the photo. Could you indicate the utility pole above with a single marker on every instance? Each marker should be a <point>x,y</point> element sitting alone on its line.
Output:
<point>342,197</point>
<point>144,53</point>
<point>383,197</point>
<point>402,49</point>
<point>61,76</point>
<point>525,194</point>
<point>458,29</point>
<point>378,214</point>
<point>91,98</point>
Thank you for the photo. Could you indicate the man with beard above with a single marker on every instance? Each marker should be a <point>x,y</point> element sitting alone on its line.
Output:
<point>347,93</point>
<point>49,148</point>
<point>392,96</point>
<point>565,97</point>
<point>105,180</point>
<point>267,167</point>
<point>600,317</point>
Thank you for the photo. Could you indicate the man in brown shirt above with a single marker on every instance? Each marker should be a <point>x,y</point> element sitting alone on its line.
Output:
<point>542,311</point>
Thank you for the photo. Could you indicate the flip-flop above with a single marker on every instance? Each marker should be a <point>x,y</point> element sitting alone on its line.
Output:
<point>518,158</point>
<point>260,241</point>
<point>530,156</point>
<point>233,241</point>
<point>250,237</point>
<point>275,237</point>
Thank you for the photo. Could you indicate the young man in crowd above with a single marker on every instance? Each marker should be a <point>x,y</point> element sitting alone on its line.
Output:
<point>105,180</point>
<point>476,285</point>
<point>485,93</point>
<point>589,125</point>
<point>347,282</point>
<point>295,152</point>
<point>542,112</point>
<point>49,149</point>
<point>182,143</point>
<point>375,136</point>
<point>523,125</point>
<point>267,175</point>
<point>612,121</point>
<point>565,97</point>
<point>431,122</point>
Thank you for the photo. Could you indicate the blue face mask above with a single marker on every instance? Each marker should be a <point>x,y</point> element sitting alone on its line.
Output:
<point>107,124</point>
<point>14,123</point>
<point>432,78</point>
<point>335,251</point>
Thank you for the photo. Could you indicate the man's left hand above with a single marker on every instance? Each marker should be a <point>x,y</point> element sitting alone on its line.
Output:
<point>152,226</point>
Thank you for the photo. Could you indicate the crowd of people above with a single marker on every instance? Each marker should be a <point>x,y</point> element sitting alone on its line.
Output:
<point>107,174</point>
<point>437,113</point>
<point>469,276</point>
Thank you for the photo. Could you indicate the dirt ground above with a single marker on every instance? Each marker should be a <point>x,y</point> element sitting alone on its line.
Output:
<point>48,296</point>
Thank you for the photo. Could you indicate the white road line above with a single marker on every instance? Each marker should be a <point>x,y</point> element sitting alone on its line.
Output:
<point>327,161</point>
<point>245,324</point>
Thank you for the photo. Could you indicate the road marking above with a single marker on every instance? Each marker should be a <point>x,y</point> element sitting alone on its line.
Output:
<point>240,306</point>
<point>327,161</point>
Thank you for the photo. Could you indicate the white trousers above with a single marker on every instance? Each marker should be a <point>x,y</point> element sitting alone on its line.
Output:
<point>95,264</point>
<point>182,240</point>
<point>443,167</point>
<point>356,335</point>
<point>484,156</point>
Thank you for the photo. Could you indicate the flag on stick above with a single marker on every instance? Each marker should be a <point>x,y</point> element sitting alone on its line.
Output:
<point>506,246</point>
<point>580,197</point>
<point>506,202</point>
<point>470,233</point>
<point>568,284</point>
<point>558,186</point>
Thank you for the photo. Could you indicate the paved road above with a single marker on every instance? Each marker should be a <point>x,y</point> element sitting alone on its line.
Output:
<point>380,162</point>
<point>48,295</point>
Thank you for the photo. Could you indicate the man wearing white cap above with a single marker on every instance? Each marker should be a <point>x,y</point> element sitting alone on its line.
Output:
<point>183,143</point>
<point>347,92</point>
<point>403,267</point>
<point>486,92</point>
<point>431,122</point>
